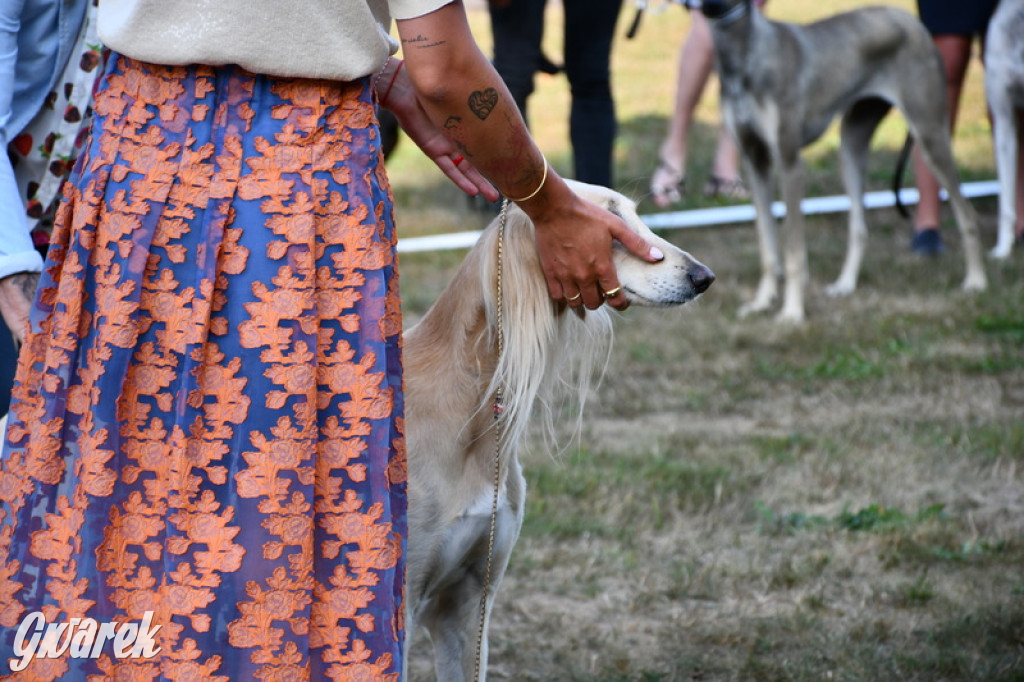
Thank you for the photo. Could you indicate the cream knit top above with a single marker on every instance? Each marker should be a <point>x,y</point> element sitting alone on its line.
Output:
<point>335,39</point>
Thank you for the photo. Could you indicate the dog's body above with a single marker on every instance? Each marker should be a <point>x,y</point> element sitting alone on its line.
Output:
<point>1004,89</point>
<point>782,84</point>
<point>452,370</point>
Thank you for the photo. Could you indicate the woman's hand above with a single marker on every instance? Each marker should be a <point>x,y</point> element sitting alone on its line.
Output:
<point>575,239</point>
<point>397,94</point>
<point>16,294</point>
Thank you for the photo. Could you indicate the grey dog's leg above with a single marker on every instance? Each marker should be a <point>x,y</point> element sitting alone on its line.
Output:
<point>937,154</point>
<point>758,168</point>
<point>791,175</point>
<point>930,127</point>
<point>857,129</point>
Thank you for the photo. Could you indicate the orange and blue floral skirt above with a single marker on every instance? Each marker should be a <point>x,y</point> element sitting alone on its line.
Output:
<point>206,440</point>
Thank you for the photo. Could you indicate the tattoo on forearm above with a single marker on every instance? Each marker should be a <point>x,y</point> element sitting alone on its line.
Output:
<point>483,102</point>
<point>422,42</point>
<point>457,134</point>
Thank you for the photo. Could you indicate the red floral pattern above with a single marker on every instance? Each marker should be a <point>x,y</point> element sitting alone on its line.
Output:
<point>208,410</point>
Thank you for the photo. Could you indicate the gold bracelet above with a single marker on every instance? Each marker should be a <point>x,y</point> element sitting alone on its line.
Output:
<point>535,192</point>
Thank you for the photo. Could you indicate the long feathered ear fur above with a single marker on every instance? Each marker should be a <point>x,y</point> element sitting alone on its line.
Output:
<point>550,354</point>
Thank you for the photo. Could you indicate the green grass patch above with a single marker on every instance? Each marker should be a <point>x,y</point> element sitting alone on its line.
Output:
<point>596,493</point>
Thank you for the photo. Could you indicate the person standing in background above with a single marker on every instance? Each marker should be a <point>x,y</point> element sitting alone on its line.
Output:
<point>49,62</point>
<point>518,28</point>
<point>668,182</point>
<point>954,25</point>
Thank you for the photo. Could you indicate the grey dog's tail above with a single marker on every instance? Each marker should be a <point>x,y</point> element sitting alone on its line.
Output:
<point>901,168</point>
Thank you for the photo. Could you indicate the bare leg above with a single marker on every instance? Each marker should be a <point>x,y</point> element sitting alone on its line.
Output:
<point>695,61</point>
<point>955,51</point>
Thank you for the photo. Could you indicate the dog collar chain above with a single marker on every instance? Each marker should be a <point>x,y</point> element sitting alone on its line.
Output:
<point>732,16</point>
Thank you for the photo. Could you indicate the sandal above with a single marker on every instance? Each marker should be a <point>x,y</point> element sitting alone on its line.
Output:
<point>729,189</point>
<point>668,184</point>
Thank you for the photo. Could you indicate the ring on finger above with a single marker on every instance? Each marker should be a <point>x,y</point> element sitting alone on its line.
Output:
<point>612,293</point>
<point>574,298</point>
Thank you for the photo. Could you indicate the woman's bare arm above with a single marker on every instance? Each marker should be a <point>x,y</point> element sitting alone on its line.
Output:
<point>463,94</point>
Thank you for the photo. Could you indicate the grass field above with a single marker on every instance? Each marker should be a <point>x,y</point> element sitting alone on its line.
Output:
<point>838,501</point>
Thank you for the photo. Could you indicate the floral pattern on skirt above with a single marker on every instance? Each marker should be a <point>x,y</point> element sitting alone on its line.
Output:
<point>208,411</point>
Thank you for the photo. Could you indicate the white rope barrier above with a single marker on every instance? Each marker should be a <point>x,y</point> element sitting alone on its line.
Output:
<point>721,215</point>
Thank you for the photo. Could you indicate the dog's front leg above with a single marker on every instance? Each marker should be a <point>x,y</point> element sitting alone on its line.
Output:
<point>757,166</point>
<point>453,620</point>
<point>795,246</point>
<point>1005,131</point>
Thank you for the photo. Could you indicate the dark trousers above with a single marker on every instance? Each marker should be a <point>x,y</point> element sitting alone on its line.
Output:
<point>8,363</point>
<point>589,29</point>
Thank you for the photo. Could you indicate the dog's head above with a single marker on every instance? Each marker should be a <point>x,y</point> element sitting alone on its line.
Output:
<point>677,279</point>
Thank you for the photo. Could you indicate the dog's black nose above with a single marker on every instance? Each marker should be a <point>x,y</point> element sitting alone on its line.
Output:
<point>701,278</point>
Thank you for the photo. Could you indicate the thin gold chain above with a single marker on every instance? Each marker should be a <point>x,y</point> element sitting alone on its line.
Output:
<point>498,407</point>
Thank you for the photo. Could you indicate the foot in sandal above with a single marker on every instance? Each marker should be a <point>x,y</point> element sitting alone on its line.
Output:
<point>667,184</point>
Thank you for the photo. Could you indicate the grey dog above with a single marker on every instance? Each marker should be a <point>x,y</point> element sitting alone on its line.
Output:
<point>782,84</point>
<point>1004,89</point>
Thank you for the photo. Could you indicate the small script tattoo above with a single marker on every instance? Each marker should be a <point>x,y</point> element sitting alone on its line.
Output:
<point>422,42</point>
<point>482,102</point>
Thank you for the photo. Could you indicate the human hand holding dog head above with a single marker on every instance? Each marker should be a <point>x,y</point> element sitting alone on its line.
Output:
<point>575,239</point>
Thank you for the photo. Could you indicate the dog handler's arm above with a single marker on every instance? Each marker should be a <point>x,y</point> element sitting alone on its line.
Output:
<point>462,93</point>
<point>397,94</point>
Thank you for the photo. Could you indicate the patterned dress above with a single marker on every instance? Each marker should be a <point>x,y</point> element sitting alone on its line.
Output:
<point>208,416</point>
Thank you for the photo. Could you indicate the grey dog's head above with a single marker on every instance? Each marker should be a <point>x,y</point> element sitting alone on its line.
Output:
<point>717,9</point>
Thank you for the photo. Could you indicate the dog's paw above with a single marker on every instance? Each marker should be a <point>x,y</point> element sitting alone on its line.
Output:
<point>753,308</point>
<point>975,282</point>
<point>840,288</point>
<point>790,316</point>
<point>1000,252</point>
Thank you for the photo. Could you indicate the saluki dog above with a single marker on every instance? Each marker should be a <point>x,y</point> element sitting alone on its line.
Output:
<point>452,373</point>
<point>1004,90</point>
<point>782,84</point>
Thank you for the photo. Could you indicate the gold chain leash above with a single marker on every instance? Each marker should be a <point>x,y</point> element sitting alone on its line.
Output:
<point>498,408</point>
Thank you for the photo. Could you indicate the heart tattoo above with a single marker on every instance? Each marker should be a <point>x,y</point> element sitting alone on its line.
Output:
<point>482,102</point>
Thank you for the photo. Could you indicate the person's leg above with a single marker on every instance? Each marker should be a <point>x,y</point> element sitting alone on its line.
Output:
<point>589,29</point>
<point>696,59</point>
<point>518,28</point>
<point>955,51</point>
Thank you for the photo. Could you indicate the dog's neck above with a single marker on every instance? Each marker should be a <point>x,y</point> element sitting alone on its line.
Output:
<point>734,38</point>
<point>731,15</point>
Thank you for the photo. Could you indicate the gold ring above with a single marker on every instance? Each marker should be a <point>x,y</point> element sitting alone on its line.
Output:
<point>612,293</point>
<point>573,298</point>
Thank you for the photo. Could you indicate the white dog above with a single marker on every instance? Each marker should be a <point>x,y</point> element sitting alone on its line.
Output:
<point>452,372</point>
<point>1004,89</point>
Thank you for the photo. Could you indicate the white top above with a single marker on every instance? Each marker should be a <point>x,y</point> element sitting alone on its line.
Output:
<point>333,39</point>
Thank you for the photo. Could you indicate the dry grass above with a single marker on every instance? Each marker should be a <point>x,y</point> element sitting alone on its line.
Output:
<point>842,501</point>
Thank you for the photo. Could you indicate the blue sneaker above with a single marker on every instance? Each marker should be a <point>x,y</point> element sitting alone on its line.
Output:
<point>927,242</point>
